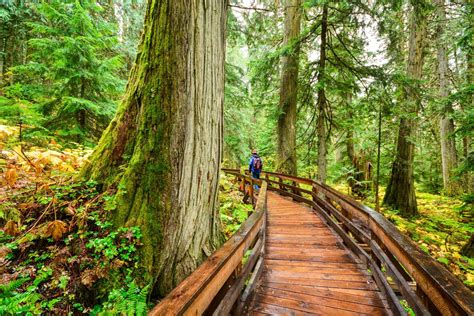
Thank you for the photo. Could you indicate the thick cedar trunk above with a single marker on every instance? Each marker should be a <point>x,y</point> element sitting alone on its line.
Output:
<point>448,145</point>
<point>163,148</point>
<point>2,59</point>
<point>468,249</point>
<point>286,152</point>
<point>467,144</point>
<point>321,104</point>
<point>400,193</point>
<point>7,56</point>
<point>357,182</point>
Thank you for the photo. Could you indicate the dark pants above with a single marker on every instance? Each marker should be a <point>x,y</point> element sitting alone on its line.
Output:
<point>256,174</point>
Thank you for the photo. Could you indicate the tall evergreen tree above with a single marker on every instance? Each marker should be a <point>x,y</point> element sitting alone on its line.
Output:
<point>448,143</point>
<point>286,150</point>
<point>71,69</point>
<point>163,149</point>
<point>400,192</point>
<point>322,102</point>
<point>14,35</point>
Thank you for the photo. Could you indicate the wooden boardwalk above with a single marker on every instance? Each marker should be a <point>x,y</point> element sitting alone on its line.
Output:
<point>308,270</point>
<point>313,258</point>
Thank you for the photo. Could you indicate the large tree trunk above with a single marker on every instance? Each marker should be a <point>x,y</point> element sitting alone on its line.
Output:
<point>400,193</point>
<point>468,249</point>
<point>286,151</point>
<point>163,149</point>
<point>467,144</point>
<point>448,144</point>
<point>358,180</point>
<point>2,59</point>
<point>321,104</point>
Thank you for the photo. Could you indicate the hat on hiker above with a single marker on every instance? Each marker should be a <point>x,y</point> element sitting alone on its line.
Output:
<point>254,151</point>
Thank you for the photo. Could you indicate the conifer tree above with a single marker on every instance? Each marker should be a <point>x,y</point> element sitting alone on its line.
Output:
<point>163,149</point>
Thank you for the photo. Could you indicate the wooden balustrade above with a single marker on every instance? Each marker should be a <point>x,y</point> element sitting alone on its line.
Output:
<point>215,287</point>
<point>425,284</point>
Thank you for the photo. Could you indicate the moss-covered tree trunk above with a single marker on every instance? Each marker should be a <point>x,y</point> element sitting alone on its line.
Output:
<point>448,144</point>
<point>286,151</point>
<point>468,181</point>
<point>163,148</point>
<point>357,181</point>
<point>400,192</point>
<point>322,102</point>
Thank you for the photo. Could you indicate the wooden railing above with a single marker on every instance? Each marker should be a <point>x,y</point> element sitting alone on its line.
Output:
<point>400,268</point>
<point>217,285</point>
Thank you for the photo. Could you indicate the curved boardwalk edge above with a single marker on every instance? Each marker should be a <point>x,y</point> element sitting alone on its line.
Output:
<point>308,269</point>
<point>225,282</point>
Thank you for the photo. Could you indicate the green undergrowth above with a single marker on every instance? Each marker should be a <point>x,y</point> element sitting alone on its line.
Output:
<point>60,255</point>
<point>232,209</point>
<point>443,226</point>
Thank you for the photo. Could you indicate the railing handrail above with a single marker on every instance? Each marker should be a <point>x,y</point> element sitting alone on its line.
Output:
<point>437,288</point>
<point>195,293</point>
<point>450,287</point>
<point>449,295</point>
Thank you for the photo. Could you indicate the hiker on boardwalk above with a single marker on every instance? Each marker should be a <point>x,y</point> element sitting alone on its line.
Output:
<point>255,165</point>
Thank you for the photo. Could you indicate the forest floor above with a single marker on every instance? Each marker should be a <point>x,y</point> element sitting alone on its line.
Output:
<point>59,254</point>
<point>232,209</point>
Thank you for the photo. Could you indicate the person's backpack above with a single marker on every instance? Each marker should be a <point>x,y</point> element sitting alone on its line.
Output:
<point>257,164</point>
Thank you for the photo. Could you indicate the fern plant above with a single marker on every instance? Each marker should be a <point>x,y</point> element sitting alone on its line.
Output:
<point>15,300</point>
<point>124,301</point>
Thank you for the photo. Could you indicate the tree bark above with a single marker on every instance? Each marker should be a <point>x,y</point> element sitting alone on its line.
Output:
<point>448,144</point>
<point>2,59</point>
<point>400,192</point>
<point>467,141</point>
<point>468,249</point>
<point>321,103</point>
<point>163,149</point>
<point>357,181</point>
<point>286,151</point>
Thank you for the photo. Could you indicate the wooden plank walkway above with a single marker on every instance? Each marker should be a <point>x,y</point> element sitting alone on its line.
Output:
<point>308,270</point>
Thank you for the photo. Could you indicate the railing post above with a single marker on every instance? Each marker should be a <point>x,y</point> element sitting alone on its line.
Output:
<point>296,191</point>
<point>315,191</point>
<point>252,199</point>
<point>426,300</point>
<point>282,187</point>
<point>374,258</point>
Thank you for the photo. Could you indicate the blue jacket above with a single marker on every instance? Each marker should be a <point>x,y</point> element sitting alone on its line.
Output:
<point>251,169</point>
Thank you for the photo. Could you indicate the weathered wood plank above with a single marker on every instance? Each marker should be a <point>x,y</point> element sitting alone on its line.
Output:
<point>317,265</point>
<point>350,295</point>
<point>327,300</point>
<point>301,306</point>
<point>300,249</point>
<point>269,309</point>
<point>358,285</point>
<point>304,258</point>
<point>315,275</point>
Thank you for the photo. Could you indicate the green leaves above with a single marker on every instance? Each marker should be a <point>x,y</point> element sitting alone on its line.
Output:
<point>69,82</point>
